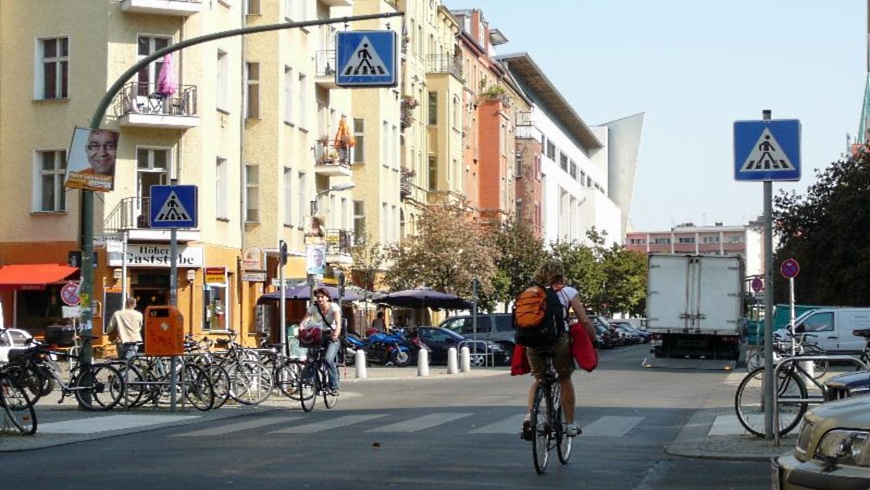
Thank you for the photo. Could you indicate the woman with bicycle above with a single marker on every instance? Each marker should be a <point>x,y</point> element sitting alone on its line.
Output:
<point>326,316</point>
<point>552,273</point>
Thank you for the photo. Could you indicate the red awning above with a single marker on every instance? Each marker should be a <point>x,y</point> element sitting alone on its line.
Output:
<point>33,276</point>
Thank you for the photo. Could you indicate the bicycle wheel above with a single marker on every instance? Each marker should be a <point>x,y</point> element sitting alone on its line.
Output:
<point>563,442</point>
<point>309,388</point>
<point>250,382</point>
<point>749,402</point>
<point>287,379</point>
<point>330,397</point>
<point>18,407</point>
<point>539,419</point>
<point>755,360</point>
<point>220,382</point>
<point>99,387</point>
<point>198,387</point>
<point>28,377</point>
<point>135,387</point>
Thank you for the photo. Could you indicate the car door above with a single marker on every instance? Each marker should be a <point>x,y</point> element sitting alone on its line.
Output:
<point>847,323</point>
<point>820,327</point>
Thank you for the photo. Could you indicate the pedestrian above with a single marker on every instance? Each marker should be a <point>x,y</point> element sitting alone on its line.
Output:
<point>552,274</point>
<point>326,315</point>
<point>378,323</point>
<point>128,323</point>
<point>101,149</point>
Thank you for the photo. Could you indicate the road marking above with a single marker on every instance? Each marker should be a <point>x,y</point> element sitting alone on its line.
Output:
<point>726,425</point>
<point>611,426</point>
<point>510,425</point>
<point>239,426</point>
<point>421,423</point>
<point>109,423</point>
<point>328,424</point>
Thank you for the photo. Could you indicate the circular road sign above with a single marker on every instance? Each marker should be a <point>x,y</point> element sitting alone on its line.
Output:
<point>69,293</point>
<point>757,284</point>
<point>790,268</point>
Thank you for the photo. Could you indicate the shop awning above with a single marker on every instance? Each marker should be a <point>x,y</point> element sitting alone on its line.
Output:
<point>33,276</point>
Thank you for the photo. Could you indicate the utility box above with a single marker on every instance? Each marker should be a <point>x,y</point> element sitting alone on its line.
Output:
<point>164,331</point>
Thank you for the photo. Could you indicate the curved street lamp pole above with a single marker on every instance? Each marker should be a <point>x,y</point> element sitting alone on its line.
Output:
<point>87,200</point>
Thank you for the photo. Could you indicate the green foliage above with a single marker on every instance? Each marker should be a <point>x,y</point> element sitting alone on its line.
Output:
<point>519,254</point>
<point>827,232</point>
<point>368,261</point>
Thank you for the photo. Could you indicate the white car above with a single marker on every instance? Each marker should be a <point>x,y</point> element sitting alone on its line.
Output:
<point>12,338</point>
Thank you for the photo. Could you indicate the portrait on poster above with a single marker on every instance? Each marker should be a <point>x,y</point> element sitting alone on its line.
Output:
<point>315,256</point>
<point>91,159</point>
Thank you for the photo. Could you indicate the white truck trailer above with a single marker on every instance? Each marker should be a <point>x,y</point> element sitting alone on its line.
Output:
<point>694,309</point>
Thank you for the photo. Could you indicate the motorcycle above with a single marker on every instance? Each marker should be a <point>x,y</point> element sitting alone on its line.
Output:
<point>385,348</point>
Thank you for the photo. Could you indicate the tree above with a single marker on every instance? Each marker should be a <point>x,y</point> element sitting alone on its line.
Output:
<point>625,283</point>
<point>368,262</point>
<point>827,232</point>
<point>449,251</point>
<point>518,257</point>
<point>581,270</point>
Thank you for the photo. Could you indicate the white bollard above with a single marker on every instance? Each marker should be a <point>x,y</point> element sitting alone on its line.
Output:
<point>451,361</point>
<point>423,363</point>
<point>810,368</point>
<point>361,364</point>
<point>465,357</point>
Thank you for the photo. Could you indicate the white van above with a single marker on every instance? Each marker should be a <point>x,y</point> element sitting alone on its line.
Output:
<point>833,328</point>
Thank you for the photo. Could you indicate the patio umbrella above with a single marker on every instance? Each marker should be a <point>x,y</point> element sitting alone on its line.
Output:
<point>303,291</point>
<point>167,85</point>
<point>423,298</point>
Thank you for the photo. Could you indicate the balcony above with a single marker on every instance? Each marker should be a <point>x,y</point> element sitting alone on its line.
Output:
<point>132,215</point>
<point>336,3</point>
<point>175,8</point>
<point>338,246</point>
<point>331,161</point>
<point>408,104</point>
<point>324,69</point>
<point>445,64</point>
<point>138,105</point>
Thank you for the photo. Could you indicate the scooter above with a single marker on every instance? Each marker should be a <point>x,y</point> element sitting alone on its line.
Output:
<point>385,348</point>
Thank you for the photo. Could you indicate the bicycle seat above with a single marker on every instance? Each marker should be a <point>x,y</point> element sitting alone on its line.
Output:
<point>864,332</point>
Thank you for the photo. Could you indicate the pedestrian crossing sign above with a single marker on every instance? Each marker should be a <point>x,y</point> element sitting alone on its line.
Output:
<point>366,59</point>
<point>767,150</point>
<point>173,206</point>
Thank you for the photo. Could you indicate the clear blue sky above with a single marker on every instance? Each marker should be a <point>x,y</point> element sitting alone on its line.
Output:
<point>694,67</point>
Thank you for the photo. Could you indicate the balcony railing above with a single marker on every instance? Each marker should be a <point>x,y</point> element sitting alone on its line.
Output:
<point>332,161</point>
<point>176,8</point>
<point>139,104</point>
<point>324,68</point>
<point>130,214</point>
<point>339,241</point>
<point>445,64</point>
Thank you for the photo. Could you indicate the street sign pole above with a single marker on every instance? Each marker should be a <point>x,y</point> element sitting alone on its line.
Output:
<point>767,381</point>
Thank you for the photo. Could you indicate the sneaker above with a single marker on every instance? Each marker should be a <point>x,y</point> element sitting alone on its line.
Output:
<point>527,434</point>
<point>571,430</point>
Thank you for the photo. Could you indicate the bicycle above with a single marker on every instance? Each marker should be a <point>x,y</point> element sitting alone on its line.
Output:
<point>783,350</point>
<point>96,387</point>
<point>285,370</point>
<point>20,413</point>
<point>314,380</point>
<point>547,418</point>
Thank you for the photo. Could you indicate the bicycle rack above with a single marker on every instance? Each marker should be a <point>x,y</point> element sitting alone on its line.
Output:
<point>797,401</point>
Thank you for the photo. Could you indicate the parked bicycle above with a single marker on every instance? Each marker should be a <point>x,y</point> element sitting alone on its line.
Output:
<point>548,419</point>
<point>798,345</point>
<point>20,415</point>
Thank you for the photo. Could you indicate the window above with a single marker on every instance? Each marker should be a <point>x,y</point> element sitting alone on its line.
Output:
<point>252,7</point>
<point>303,102</point>
<point>661,241</point>
<point>735,239</point>
<point>52,81</point>
<point>295,10</point>
<point>217,306</point>
<point>551,150</point>
<point>820,322</point>
<point>223,81</point>
<point>433,108</point>
<point>359,138</point>
<point>519,208</point>
<point>221,174</point>
<point>288,94</point>
<point>518,164</point>
<point>252,99</point>
<point>686,240</point>
<point>563,161</point>
<point>252,194</point>
<point>288,196</point>
<point>573,169</point>
<point>152,166</point>
<point>301,185</point>
<point>51,195</point>
<point>711,239</point>
<point>433,173</point>
<point>147,76</point>
<point>359,222</point>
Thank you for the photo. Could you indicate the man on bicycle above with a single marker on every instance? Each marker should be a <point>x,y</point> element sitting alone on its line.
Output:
<point>326,315</point>
<point>552,273</point>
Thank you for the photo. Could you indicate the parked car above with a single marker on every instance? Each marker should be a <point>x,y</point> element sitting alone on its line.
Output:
<point>495,327</point>
<point>615,337</point>
<point>628,334</point>
<point>606,337</point>
<point>644,335</point>
<point>832,449</point>
<point>440,340</point>
<point>12,338</point>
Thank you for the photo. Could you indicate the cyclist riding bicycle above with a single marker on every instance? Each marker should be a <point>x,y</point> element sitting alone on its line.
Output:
<point>552,273</point>
<point>326,315</point>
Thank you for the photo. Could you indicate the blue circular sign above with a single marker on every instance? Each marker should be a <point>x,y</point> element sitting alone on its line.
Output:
<point>790,268</point>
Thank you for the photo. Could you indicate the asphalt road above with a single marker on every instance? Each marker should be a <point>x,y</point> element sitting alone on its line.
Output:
<point>417,433</point>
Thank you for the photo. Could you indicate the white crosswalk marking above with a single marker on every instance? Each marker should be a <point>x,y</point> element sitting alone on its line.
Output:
<point>611,426</point>
<point>109,423</point>
<point>237,427</point>
<point>328,424</point>
<point>510,425</point>
<point>421,423</point>
<point>726,425</point>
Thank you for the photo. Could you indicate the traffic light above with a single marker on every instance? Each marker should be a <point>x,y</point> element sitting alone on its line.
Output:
<point>282,253</point>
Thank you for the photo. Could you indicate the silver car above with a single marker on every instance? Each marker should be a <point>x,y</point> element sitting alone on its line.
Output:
<point>12,338</point>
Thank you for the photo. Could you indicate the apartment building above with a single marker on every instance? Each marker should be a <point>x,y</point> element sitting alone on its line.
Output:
<point>719,239</point>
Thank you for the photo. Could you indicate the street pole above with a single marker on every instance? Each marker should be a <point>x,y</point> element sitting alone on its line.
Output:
<point>767,382</point>
<point>87,202</point>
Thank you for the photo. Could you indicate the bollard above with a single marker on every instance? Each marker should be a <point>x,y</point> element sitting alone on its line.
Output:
<point>465,357</point>
<point>361,364</point>
<point>423,363</point>
<point>451,361</point>
<point>810,368</point>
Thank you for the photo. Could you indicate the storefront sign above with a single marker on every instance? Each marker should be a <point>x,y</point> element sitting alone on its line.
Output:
<point>216,276</point>
<point>140,255</point>
<point>252,259</point>
<point>254,276</point>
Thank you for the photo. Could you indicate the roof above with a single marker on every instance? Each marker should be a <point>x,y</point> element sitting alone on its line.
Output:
<point>545,95</point>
